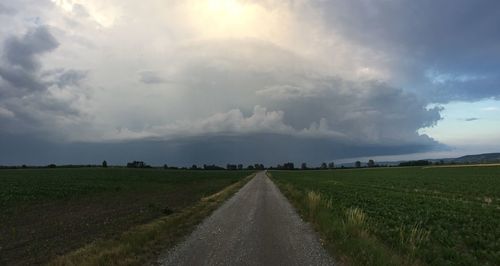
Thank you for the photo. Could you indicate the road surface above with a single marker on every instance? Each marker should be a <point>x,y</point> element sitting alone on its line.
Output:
<point>257,226</point>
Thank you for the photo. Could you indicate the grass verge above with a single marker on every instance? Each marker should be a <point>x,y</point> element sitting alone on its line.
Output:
<point>345,233</point>
<point>142,244</point>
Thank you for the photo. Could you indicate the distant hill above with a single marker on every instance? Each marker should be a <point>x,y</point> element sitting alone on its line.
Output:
<point>479,158</point>
<point>475,158</point>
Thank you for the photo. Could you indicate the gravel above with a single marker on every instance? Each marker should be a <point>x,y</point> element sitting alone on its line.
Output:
<point>257,226</point>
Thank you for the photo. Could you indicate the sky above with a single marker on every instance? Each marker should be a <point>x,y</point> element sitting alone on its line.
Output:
<point>239,81</point>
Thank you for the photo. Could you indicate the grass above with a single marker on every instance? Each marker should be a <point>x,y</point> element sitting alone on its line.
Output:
<point>313,201</point>
<point>412,238</point>
<point>355,217</point>
<point>401,216</point>
<point>46,213</point>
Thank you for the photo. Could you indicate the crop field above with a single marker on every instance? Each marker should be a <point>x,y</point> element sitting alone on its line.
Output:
<point>49,212</point>
<point>435,216</point>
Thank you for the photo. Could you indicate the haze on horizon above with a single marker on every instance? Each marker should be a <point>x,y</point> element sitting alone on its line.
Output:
<point>237,81</point>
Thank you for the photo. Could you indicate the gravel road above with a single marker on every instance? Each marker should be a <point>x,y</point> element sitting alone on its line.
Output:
<point>257,226</point>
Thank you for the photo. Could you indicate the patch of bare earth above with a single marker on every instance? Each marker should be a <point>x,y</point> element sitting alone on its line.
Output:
<point>36,233</point>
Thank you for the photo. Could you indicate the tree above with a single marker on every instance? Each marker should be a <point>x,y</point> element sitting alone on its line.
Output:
<point>258,166</point>
<point>165,166</point>
<point>303,166</point>
<point>323,165</point>
<point>331,165</point>
<point>104,164</point>
<point>289,166</point>
<point>371,163</point>
<point>212,167</point>
<point>358,164</point>
<point>137,164</point>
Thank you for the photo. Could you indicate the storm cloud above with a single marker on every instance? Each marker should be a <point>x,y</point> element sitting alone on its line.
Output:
<point>447,48</point>
<point>181,81</point>
<point>32,98</point>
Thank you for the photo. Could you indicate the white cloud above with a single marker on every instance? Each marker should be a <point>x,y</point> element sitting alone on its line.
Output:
<point>490,109</point>
<point>227,123</point>
<point>101,12</point>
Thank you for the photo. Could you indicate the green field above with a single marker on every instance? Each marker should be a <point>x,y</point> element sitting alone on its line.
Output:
<point>436,216</point>
<point>49,212</point>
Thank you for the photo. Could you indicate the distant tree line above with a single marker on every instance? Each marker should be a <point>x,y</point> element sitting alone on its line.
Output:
<point>138,164</point>
<point>415,163</point>
<point>286,166</point>
<point>142,164</point>
<point>212,167</point>
<point>304,166</point>
<point>235,167</point>
<point>24,166</point>
<point>325,166</point>
<point>256,167</point>
<point>216,167</point>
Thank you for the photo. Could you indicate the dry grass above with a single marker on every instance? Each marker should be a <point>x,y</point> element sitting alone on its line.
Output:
<point>355,223</point>
<point>313,201</point>
<point>412,238</point>
<point>355,217</point>
<point>328,203</point>
<point>488,200</point>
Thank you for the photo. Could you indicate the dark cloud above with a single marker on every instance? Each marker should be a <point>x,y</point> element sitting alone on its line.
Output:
<point>23,52</point>
<point>366,111</point>
<point>442,32</point>
<point>455,37</point>
<point>21,81</point>
<point>470,119</point>
<point>269,149</point>
<point>474,89</point>
<point>24,85</point>
<point>20,67</point>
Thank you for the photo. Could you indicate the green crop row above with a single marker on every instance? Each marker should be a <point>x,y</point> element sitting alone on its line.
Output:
<point>435,216</point>
<point>20,186</point>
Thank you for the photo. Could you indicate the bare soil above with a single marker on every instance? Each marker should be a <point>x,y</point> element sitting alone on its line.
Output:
<point>36,233</point>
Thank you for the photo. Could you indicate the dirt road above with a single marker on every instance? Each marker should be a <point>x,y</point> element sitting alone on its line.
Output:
<point>257,226</point>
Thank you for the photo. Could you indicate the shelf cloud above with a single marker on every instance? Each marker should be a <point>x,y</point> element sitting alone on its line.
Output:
<point>228,80</point>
